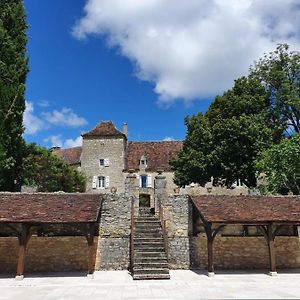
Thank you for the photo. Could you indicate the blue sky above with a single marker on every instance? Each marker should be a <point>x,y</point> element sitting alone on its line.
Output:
<point>138,62</point>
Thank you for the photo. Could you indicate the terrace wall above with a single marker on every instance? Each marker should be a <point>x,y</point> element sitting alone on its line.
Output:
<point>246,252</point>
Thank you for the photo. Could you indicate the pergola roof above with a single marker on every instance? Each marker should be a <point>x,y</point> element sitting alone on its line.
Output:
<point>49,207</point>
<point>248,209</point>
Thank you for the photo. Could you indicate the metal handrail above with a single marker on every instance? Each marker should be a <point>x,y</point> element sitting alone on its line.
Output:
<point>164,229</point>
<point>132,236</point>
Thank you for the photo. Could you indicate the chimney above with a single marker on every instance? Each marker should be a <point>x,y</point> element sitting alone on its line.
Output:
<point>54,148</point>
<point>125,129</point>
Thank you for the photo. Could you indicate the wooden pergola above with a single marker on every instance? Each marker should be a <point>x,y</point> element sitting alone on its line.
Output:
<point>23,212</point>
<point>268,213</point>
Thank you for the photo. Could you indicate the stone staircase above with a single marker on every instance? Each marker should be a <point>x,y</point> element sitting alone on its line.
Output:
<point>149,257</point>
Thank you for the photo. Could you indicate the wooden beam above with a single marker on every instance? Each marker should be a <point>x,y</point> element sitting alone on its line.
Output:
<point>23,241</point>
<point>270,240</point>
<point>210,256</point>
<point>90,240</point>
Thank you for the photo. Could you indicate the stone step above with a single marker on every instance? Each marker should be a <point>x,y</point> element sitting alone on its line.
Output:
<point>148,242</point>
<point>150,254</point>
<point>147,217</point>
<point>150,265</point>
<point>147,223</point>
<point>149,248</point>
<point>154,259</point>
<point>147,228</point>
<point>150,270</point>
<point>150,276</point>
<point>148,235</point>
<point>148,239</point>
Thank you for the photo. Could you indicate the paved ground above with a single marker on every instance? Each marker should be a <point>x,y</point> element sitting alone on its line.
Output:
<point>183,285</point>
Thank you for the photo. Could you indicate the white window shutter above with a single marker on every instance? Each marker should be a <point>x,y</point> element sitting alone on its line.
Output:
<point>149,181</point>
<point>106,162</point>
<point>140,180</point>
<point>106,181</point>
<point>94,182</point>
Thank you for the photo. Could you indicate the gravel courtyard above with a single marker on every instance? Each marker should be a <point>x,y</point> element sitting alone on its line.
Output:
<point>183,285</point>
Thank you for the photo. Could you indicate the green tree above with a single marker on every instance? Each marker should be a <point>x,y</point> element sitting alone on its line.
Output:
<point>193,163</point>
<point>279,72</point>
<point>281,165</point>
<point>225,142</point>
<point>13,70</point>
<point>49,173</point>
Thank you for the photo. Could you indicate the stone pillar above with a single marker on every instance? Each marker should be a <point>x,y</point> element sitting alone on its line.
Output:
<point>160,192</point>
<point>132,191</point>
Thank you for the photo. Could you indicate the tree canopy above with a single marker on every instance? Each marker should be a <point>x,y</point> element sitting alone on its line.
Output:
<point>225,142</point>
<point>257,113</point>
<point>49,173</point>
<point>13,70</point>
<point>281,165</point>
<point>279,73</point>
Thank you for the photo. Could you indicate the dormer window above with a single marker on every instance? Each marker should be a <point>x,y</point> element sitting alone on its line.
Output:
<point>143,162</point>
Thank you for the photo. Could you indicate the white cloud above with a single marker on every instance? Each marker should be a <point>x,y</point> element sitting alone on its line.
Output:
<point>69,143</point>
<point>44,103</point>
<point>65,117</point>
<point>196,48</point>
<point>54,140</point>
<point>57,141</point>
<point>32,123</point>
<point>168,139</point>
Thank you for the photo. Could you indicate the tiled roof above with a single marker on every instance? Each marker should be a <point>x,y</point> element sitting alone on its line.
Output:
<point>69,155</point>
<point>239,209</point>
<point>105,129</point>
<point>157,154</point>
<point>49,208</point>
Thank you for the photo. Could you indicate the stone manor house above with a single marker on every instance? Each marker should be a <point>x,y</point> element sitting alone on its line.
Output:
<point>107,157</point>
<point>134,218</point>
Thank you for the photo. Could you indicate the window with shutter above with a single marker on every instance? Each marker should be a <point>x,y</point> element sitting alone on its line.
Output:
<point>149,181</point>
<point>107,181</point>
<point>94,182</point>
<point>143,181</point>
<point>106,162</point>
<point>101,182</point>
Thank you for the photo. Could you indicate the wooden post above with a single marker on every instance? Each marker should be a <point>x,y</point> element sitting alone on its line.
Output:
<point>210,263</point>
<point>270,240</point>
<point>23,240</point>
<point>90,241</point>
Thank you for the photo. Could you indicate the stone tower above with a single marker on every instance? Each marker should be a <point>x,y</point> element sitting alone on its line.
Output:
<point>103,158</point>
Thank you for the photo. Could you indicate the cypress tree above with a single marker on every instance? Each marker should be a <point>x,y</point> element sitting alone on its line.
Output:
<point>13,71</point>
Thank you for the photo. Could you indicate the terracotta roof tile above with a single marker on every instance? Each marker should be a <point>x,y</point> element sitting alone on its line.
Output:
<point>157,154</point>
<point>239,209</point>
<point>49,208</point>
<point>69,155</point>
<point>105,129</point>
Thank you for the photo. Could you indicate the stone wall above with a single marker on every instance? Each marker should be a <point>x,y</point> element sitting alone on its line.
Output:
<point>8,254</point>
<point>114,233</point>
<point>45,254</point>
<point>245,252</point>
<point>177,213</point>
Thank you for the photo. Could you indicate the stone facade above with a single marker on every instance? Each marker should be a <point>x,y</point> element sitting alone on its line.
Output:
<point>245,252</point>
<point>112,152</point>
<point>121,157</point>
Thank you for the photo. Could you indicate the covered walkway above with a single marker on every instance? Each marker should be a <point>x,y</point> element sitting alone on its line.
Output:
<point>25,215</point>
<point>269,214</point>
